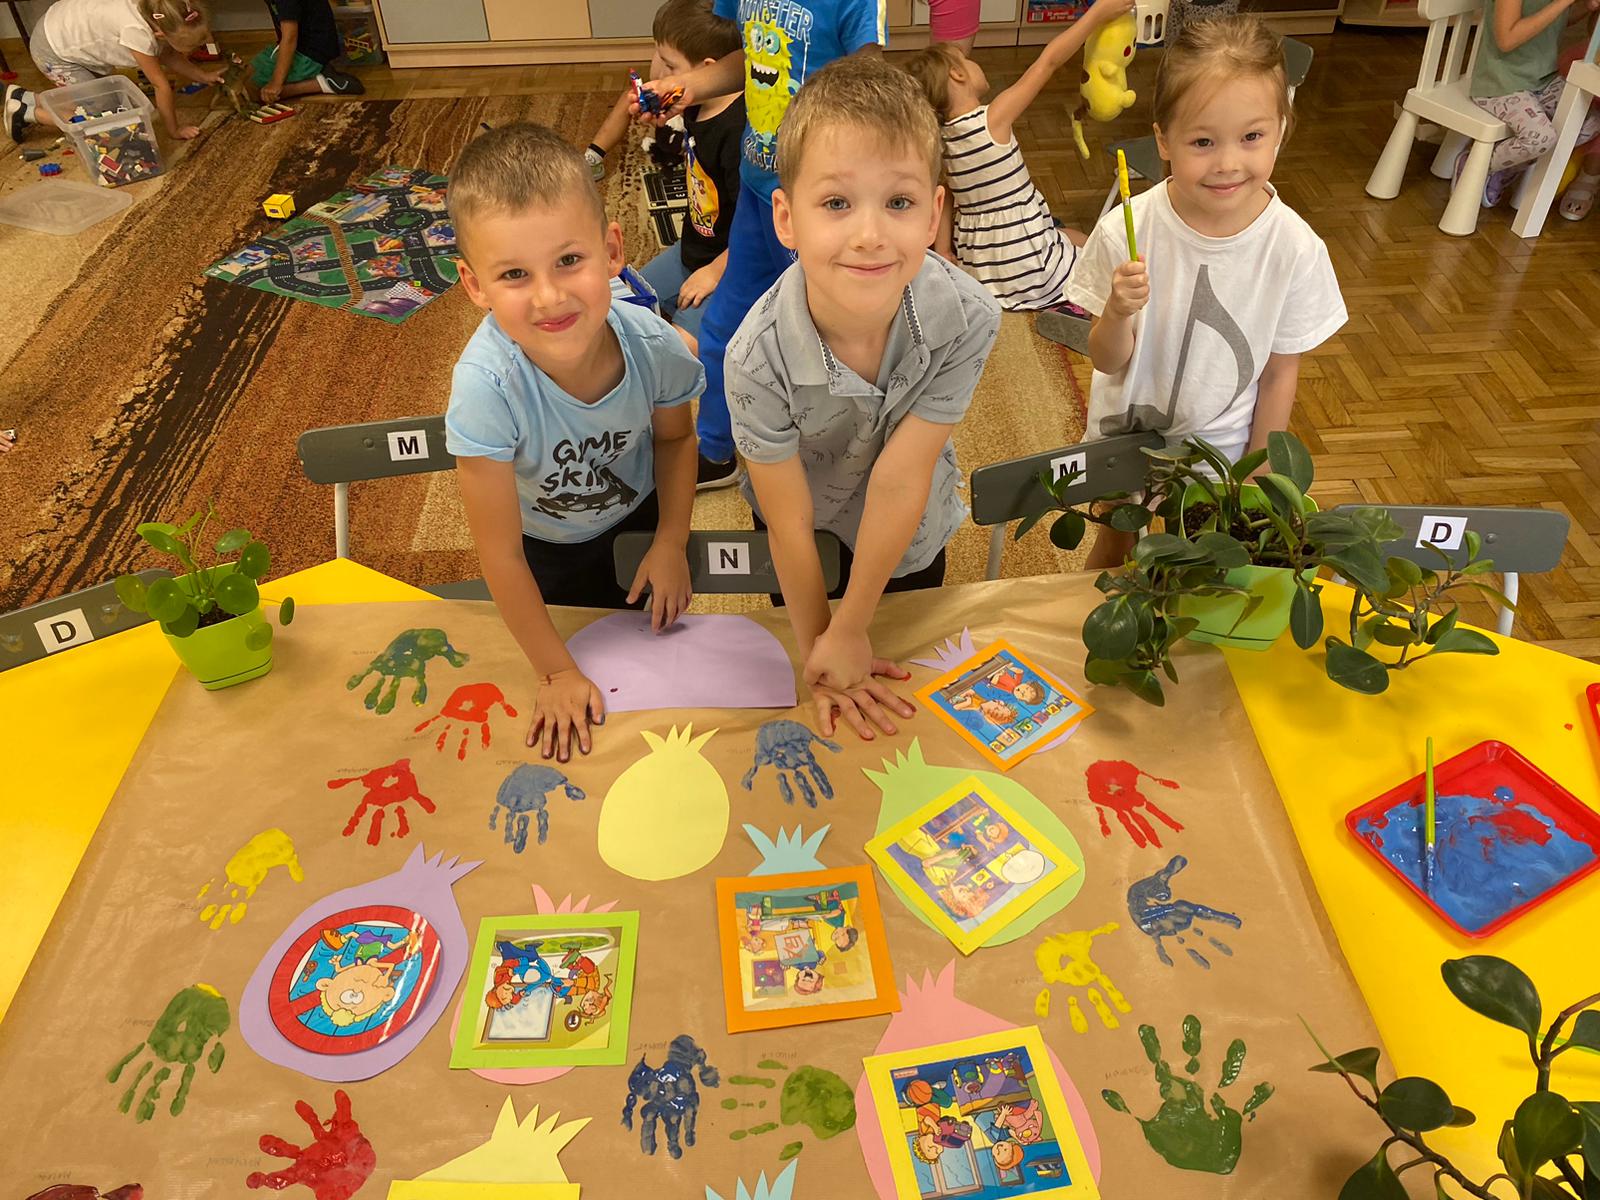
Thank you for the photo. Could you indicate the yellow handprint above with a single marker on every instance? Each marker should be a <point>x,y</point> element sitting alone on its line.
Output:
<point>246,871</point>
<point>1064,958</point>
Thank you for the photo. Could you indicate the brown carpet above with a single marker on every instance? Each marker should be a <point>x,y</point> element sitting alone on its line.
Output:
<point>143,388</point>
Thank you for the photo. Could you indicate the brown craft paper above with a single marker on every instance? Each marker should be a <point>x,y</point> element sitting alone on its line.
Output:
<point>217,768</point>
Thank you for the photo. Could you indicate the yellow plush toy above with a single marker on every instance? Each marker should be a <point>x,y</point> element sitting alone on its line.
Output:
<point>1105,92</point>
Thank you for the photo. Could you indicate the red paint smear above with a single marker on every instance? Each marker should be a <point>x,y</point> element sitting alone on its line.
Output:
<point>334,1165</point>
<point>1517,825</point>
<point>1114,785</point>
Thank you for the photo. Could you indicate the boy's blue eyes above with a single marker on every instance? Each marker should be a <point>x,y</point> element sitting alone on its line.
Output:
<point>516,274</point>
<point>895,204</point>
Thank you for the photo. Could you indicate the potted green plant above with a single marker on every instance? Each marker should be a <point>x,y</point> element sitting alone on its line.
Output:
<point>1237,561</point>
<point>1547,1132</point>
<point>210,615</point>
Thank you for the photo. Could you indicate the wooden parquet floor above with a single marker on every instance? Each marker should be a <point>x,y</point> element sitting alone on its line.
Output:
<point>1469,372</point>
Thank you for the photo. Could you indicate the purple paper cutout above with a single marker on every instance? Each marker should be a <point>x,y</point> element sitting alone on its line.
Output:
<point>956,651</point>
<point>704,661</point>
<point>422,885</point>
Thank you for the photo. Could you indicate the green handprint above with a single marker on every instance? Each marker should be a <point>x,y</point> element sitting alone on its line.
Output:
<point>406,658</point>
<point>1182,1132</point>
<point>191,1019</point>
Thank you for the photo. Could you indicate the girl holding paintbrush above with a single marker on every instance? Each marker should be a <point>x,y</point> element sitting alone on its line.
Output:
<point>1205,340</point>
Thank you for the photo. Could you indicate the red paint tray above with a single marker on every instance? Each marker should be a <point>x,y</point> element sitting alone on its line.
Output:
<point>1479,771</point>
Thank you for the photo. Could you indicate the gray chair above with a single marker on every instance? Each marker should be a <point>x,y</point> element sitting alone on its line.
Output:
<point>1008,491</point>
<point>51,626</point>
<point>1144,159</point>
<point>1520,541</point>
<point>346,454</point>
<point>726,561</point>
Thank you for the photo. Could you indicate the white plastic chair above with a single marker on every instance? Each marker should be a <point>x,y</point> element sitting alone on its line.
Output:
<point>1539,189</point>
<point>1440,97</point>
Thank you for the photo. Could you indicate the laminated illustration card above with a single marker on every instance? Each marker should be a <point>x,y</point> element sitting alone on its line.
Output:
<point>801,948</point>
<point>970,862</point>
<point>981,1118</point>
<point>1005,705</point>
<point>548,991</point>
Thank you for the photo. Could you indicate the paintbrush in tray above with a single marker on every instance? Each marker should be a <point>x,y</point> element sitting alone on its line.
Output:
<point>1430,833</point>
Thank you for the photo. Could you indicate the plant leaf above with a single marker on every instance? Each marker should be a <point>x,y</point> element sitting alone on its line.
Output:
<point>1389,634</point>
<point>185,623</point>
<point>259,638</point>
<point>1544,1127</point>
<point>1226,551</point>
<point>1462,1117</point>
<point>1361,1063</point>
<point>1111,630</point>
<point>1362,565</point>
<point>1068,530</point>
<point>254,560</point>
<point>1130,518</point>
<point>1247,465</point>
<point>1373,1180</point>
<point>160,536</point>
<point>1282,494</point>
<point>1415,1103</point>
<point>1589,1112</point>
<point>1465,641</point>
<point>237,594</point>
<point>234,539</point>
<point>1442,626</point>
<point>1289,457</point>
<point>131,591</point>
<point>166,601</point>
<point>1305,616</point>
<point>1355,669</point>
<point>1028,522</point>
<point>1493,988</point>
<point>1104,671</point>
<point>1146,686</point>
<point>1586,1030</point>
<point>1404,570</point>
<point>286,611</point>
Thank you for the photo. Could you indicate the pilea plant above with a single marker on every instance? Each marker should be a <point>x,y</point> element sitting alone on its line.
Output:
<point>1218,517</point>
<point>1546,1133</point>
<point>204,595</point>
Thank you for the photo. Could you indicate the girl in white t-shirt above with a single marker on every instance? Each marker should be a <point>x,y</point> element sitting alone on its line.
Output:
<point>79,40</point>
<point>1206,339</point>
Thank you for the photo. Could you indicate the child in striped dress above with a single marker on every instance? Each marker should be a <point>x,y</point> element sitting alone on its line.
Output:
<point>1003,233</point>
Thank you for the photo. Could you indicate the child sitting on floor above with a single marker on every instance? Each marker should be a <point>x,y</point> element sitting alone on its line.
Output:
<point>80,40</point>
<point>308,40</point>
<point>569,416</point>
<point>1002,229</point>
<point>1515,81</point>
<point>1225,253</point>
<point>849,374</point>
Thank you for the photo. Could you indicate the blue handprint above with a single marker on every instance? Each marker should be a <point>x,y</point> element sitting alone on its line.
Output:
<point>786,746</point>
<point>524,791</point>
<point>1157,914</point>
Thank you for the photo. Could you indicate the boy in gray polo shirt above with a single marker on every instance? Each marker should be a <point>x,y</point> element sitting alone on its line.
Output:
<point>847,377</point>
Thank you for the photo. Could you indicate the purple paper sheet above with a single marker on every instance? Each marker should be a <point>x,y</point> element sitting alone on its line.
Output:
<point>709,661</point>
<point>422,885</point>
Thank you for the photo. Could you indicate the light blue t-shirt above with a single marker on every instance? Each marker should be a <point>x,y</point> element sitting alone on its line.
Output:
<point>784,42</point>
<point>580,467</point>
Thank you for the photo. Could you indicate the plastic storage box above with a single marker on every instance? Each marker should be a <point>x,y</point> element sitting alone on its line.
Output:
<point>116,136</point>
<point>358,30</point>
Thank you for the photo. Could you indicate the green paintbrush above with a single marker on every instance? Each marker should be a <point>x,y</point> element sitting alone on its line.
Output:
<point>1428,849</point>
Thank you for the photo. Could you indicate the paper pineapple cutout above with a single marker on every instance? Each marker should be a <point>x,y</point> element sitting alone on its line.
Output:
<point>781,1188</point>
<point>517,1152</point>
<point>788,852</point>
<point>667,814</point>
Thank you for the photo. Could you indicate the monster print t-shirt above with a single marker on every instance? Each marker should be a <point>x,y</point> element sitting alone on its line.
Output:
<point>785,41</point>
<point>712,172</point>
<point>580,467</point>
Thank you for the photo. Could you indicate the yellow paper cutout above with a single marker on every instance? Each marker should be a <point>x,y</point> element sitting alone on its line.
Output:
<point>667,814</point>
<point>247,870</point>
<point>520,1161</point>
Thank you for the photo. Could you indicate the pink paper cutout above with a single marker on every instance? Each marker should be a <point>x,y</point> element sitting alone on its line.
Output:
<point>929,1016</point>
<point>704,661</point>
<point>957,650</point>
<point>421,885</point>
<point>516,1076</point>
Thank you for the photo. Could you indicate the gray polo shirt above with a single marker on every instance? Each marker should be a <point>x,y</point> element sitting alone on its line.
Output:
<point>787,395</point>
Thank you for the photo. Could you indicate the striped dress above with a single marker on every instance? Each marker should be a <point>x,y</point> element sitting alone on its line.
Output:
<point>1004,234</point>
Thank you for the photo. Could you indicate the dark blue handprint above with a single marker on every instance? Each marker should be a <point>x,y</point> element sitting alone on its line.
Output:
<point>786,747</point>
<point>523,791</point>
<point>1157,914</point>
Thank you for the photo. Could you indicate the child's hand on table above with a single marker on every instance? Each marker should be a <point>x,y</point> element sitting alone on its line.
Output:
<point>1130,290</point>
<point>665,570</point>
<point>857,706</point>
<point>567,704</point>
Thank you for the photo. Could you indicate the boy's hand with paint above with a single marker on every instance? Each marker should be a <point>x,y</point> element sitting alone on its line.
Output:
<point>1130,290</point>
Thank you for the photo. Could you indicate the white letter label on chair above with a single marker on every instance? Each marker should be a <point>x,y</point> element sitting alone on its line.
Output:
<point>728,558</point>
<point>1444,532</point>
<point>1076,465</point>
<point>64,630</point>
<point>408,444</point>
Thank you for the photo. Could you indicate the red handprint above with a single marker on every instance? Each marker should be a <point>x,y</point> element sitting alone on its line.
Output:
<point>471,704</point>
<point>1114,784</point>
<point>390,785</point>
<point>334,1165</point>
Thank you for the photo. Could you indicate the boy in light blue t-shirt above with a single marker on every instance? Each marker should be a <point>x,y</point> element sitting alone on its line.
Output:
<point>568,414</point>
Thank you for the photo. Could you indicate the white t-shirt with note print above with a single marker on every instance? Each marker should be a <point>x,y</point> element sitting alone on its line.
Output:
<point>1218,308</point>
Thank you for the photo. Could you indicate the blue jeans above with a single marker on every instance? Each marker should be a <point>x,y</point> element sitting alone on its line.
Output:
<point>666,274</point>
<point>755,260</point>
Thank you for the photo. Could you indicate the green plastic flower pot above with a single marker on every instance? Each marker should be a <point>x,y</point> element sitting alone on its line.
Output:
<point>217,655</point>
<point>1219,615</point>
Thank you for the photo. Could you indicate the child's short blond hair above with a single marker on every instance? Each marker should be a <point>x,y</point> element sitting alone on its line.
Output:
<point>931,69</point>
<point>184,24</point>
<point>516,167</point>
<point>694,31</point>
<point>865,93</point>
<point>1217,50</point>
